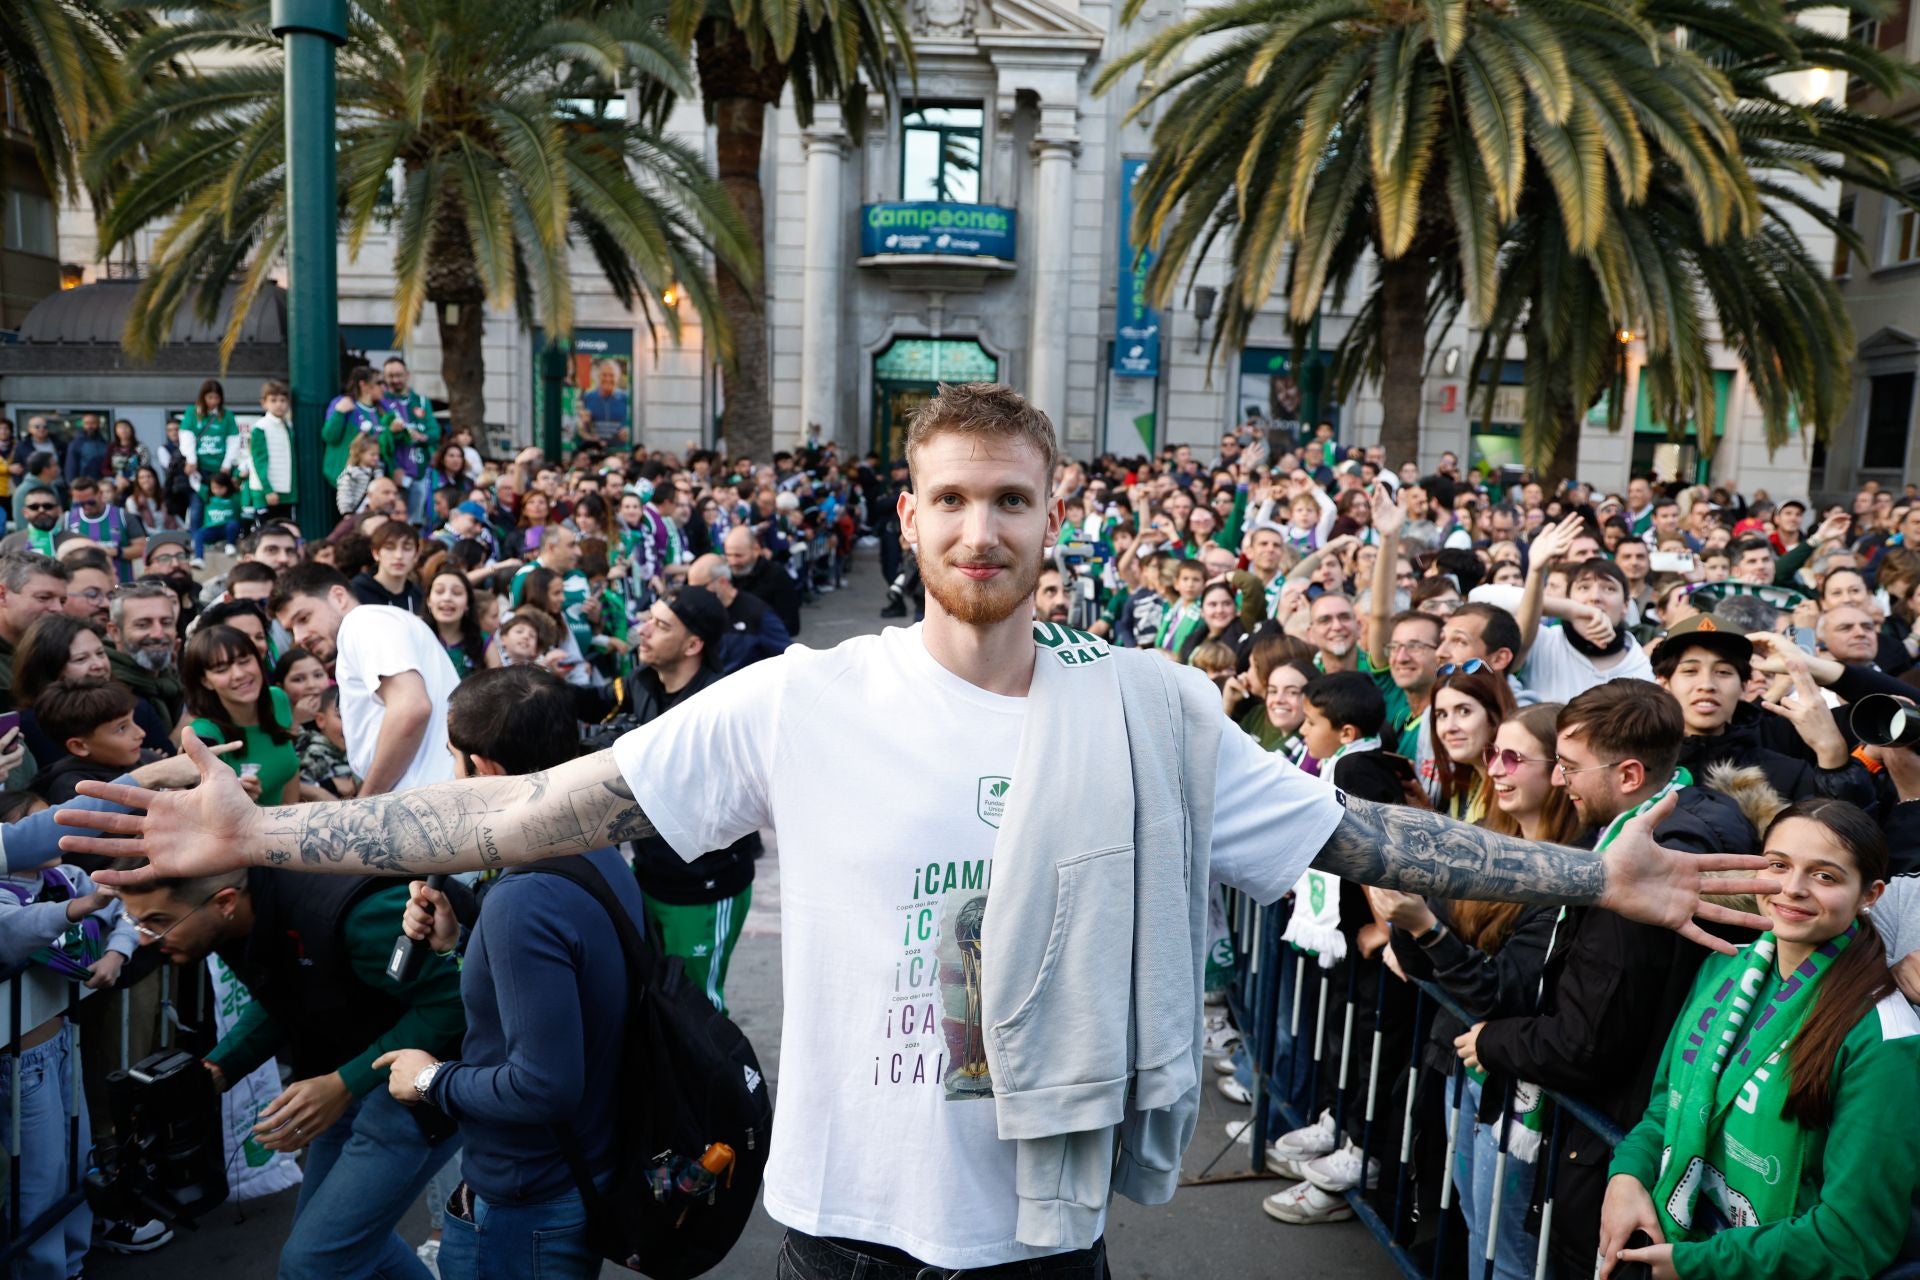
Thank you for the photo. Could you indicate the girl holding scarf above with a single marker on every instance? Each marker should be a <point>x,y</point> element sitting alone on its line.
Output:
<point>1780,1139</point>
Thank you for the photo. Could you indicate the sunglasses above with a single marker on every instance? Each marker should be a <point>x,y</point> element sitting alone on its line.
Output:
<point>1472,666</point>
<point>1510,760</point>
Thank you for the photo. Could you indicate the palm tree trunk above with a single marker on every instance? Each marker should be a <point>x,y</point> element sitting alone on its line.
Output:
<point>738,93</point>
<point>1565,462</point>
<point>1403,353</point>
<point>459,303</point>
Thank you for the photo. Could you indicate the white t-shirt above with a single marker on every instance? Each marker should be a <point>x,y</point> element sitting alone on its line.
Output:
<point>885,776</point>
<point>376,641</point>
<point>1558,672</point>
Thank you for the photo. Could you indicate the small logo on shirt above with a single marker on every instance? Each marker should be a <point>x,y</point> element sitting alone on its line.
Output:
<point>992,800</point>
<point>753,1078</point>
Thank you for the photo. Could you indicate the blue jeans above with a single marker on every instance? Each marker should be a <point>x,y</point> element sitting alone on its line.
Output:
<point>419,501</point>
<point>1476,1150</point>
<point>362,1175</point>
<point>545,1241</point>
<point>49,1105</point>
<point>201,532</point>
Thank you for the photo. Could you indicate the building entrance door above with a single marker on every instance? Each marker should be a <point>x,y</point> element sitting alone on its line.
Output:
<point>909,373</point>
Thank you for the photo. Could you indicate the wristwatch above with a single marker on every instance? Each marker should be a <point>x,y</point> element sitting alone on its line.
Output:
<point>1426,940</point>
<point>424,1081</point>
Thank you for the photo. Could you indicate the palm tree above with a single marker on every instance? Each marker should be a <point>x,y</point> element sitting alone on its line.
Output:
<point>60,60</point>
<point>1314,133</point>
<point>1656,274</point>
<point>749,51</point>
<point>500,119</point>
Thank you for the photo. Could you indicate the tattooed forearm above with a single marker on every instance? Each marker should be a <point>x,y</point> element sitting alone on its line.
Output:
<point>474,824</point>
<point>1417,851</point>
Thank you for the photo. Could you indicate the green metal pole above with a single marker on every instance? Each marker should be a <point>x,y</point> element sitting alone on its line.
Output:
<point>553,377</point>
<point>1312,379</point>
<point>311,30</point>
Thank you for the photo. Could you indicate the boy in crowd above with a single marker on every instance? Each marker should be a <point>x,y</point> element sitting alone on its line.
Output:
<point>270,483</point>
<point>93,720</point>
<point>545,1012</point>
<point>1183,614</point>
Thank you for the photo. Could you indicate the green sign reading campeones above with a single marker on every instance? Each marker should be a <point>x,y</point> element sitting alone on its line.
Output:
<point>927,226</point>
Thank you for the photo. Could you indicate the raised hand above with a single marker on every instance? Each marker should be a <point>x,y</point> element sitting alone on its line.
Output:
<point>199,832</point>
<point>1387,514</point>
<point>1553,542</point>
<point>1656,885</point>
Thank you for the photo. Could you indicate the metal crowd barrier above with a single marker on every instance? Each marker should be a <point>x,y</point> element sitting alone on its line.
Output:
<point>1285,1037</point>
<point>29,996</point>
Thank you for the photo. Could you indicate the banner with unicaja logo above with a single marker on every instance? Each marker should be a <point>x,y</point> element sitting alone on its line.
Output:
<point>936,227</point>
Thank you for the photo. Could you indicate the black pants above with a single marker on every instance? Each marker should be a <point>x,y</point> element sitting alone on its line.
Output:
<point>804,1257</point>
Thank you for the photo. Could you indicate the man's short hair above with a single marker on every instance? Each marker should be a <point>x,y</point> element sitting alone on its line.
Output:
<point>16,567</point>
<point>250,571</point>
<point>185,889</point>
<point>83,483</point>
<point>1414,615</point>
<point>1660,504</point>
<point>521,718</point>
<point>75,708</point>
<point>82,556</point>
<point>251,543</point>
<point>1348,698</point>
<point>391,532</point>
<point>1750,542</point>
<point>1498,628</point>
<point>143,589</point>
<point>1628,719</point>
<point>1598,567</point>
<point>311,579</point>
<point>983,409</point>
<point>40,459</point>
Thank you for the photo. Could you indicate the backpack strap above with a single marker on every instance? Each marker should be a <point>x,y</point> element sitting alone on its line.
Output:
<point>640,966</point>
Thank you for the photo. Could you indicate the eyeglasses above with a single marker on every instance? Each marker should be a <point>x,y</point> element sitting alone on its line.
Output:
<point>95,594</point>
<point>1585,768</point>
<point>167,559</point>
<point>41,506</point>
<point>152,935</point>
<point>1471,667</point>
<point>1509,760</point>
<point>1410,646</point>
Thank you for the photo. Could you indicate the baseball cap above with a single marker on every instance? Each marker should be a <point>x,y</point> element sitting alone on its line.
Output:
<point>701,612</point>
<point>473,509</point>
<point>1709,631</point>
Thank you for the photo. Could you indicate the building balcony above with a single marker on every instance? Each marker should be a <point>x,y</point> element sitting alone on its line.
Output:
<point>926,243</point>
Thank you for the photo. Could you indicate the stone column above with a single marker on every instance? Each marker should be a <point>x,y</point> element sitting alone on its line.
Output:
<point>1047,255</point>
<point>824,274</point>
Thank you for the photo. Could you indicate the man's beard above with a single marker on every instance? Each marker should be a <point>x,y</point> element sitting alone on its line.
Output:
<point>155,658</point>
<point>1059,613</point>
<point>1583,645</point>
<point>44,524</point>
<point>1338,648</point>
<point>982,604</point>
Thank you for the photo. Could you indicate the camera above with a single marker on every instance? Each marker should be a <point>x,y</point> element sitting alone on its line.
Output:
<point>168,1160</point>
<point>1083,565</point>
<point>1886,720</point>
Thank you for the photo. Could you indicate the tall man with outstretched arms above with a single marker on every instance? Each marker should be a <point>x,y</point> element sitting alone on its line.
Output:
<point>904,933</point>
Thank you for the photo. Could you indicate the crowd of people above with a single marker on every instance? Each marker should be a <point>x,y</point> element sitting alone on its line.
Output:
<point>1550,663</point>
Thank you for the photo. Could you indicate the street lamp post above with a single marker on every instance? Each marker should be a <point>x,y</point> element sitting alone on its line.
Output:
<point>311,30</point>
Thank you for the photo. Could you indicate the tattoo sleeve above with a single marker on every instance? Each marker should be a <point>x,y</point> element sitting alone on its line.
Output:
<point>471,825</point>
<point>1417,851</point>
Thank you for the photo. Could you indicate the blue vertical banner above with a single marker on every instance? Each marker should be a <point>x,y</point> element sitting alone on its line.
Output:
<point>1136,343</point>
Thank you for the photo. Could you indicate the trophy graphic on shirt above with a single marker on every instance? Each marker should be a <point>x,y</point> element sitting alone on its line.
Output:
<point>969,1077</point>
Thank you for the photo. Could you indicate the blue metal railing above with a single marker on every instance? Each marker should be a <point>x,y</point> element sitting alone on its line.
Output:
<point>1281,1000</point>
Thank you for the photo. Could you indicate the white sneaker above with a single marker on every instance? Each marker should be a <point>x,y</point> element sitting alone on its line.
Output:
<point>1241,1131</point>
<point>1223,1066</point>
<point>1306,1204</point>
<point>1340,1170</point>
<point>1310,1143</point>
<point>232,550</point>
<point>118,1236</point>
<point>429,1255</point>
<point>1215,1000</point>
<point>1220,1040</point>
<point>1233,1091</point>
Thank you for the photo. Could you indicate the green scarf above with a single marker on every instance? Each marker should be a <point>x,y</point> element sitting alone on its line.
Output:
<point>1176,625</point>
<point>1528,1121</point>
<point>1726,1089</point>
<point>1314,926</point>
<point>164,689</point>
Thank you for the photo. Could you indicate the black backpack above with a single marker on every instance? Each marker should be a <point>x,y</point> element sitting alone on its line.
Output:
<point>694,1120</point>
